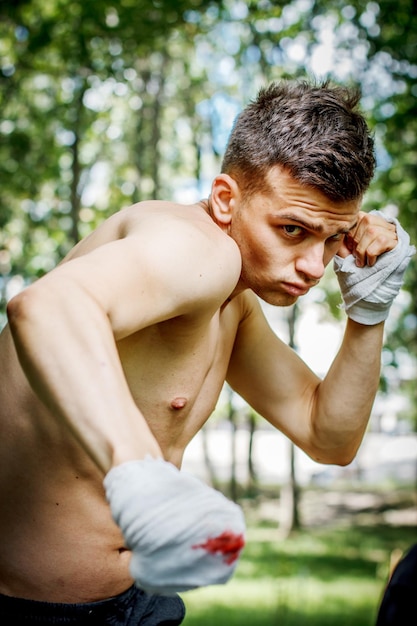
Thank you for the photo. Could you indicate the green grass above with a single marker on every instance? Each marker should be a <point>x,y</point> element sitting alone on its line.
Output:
<point>332,576</point>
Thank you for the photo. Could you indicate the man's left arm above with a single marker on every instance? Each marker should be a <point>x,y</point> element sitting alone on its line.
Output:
<point>370,268</point>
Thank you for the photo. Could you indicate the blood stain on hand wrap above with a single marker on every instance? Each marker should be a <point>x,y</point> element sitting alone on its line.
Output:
<point>228,544</point>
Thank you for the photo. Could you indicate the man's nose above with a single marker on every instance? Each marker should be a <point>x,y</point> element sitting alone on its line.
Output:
<point>311,262</point>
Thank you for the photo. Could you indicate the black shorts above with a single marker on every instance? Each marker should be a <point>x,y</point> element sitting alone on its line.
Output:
<point>131,608</point>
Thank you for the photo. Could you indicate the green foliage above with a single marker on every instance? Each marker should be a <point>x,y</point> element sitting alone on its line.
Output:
<point>79,88</point>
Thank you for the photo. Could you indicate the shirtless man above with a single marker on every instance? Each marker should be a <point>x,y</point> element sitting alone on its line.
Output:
<point>113,361</point>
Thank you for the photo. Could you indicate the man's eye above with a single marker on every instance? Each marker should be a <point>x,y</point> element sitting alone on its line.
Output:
<point>337,237</point>
<point>292,230</point>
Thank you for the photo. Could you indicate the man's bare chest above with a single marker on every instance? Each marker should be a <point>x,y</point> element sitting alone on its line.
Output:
<point>176,372</point>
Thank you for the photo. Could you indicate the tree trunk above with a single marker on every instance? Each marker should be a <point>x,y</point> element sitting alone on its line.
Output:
<point>253,478</point>
<point>233,432</point>
<point>290,493</point>
<point>76,167</point>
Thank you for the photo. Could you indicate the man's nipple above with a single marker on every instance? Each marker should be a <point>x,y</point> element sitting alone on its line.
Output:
<point>178,403</point>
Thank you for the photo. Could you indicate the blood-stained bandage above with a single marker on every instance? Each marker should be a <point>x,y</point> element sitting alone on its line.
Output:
<point>182,533</point>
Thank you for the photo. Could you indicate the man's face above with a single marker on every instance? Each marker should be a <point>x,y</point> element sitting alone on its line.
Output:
<point>287,236</point>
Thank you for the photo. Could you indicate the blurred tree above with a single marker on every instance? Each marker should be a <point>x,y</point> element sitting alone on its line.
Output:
<point>82,86</point>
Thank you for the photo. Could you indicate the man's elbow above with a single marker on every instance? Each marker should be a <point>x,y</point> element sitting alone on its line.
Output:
<point>342,456</point>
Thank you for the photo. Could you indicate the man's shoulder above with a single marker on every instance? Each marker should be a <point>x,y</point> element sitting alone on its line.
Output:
<point>246,306</point>
<point>181,229</point>
<point>158,224</point>
<point>182,246</point>
<point>164,215</point>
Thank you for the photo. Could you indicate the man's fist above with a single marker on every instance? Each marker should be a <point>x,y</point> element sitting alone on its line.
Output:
<point>371,276</point>
<point>182,533</point>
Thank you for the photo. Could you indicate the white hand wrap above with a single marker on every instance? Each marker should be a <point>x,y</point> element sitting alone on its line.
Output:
<point>368,292</point>
<point>183,534</point>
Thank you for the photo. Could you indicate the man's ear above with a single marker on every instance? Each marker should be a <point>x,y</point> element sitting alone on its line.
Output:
<point>224,194</point>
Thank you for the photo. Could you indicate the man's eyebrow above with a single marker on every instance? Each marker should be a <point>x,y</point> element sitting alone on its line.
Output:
<point>317,228</point>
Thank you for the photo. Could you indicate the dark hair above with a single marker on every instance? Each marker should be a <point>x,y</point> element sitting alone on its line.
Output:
<point>313,130</point>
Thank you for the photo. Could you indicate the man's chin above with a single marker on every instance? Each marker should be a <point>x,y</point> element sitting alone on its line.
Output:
<point>277,299</point>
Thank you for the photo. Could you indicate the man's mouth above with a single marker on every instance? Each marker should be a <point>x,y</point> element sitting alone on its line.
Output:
<point>295,289</point>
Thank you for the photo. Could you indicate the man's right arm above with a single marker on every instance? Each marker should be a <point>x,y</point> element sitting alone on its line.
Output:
<point>182,533</point>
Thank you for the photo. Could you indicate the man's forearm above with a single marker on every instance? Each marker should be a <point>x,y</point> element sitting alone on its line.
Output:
<point>346,395</point>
